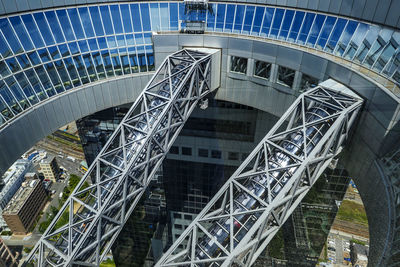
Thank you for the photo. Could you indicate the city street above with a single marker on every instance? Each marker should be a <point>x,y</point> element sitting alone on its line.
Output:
<point>32,238</point>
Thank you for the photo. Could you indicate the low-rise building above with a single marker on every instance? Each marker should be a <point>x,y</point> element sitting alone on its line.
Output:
<point>31,176</point>
<point>24,207</point>
<point>50,169</point>
<point>359,255</point>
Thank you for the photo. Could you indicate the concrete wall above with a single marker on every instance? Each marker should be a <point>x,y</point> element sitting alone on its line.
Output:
<point>23,132</point>
<point>374,135</point>
<point>377,128</point>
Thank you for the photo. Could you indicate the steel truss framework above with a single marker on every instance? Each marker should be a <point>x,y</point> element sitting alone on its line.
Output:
<point>99,206</point>
<point>241,219</point>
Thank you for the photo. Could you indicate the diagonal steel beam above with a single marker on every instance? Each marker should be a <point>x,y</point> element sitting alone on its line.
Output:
<point>108,193</point>
<point>258,198</point>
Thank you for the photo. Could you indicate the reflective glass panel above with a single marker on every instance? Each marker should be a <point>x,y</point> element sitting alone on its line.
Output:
<point>44,29</point>
<point>86,22</point>
<point>142,58</point>
<point>383,59</point>
<point>4,69</point>
<point>346,36</point>
<point>137,24</point>
<point>126,18</point>
<point>24,61</point>
<point>64,50</point>
<point>12,64</point>
<point>90,67</point>
<point>76,23</point>
<point>69,64</point>
<point>81,69</point>
<point>33,30</point>
<point>325,32</point>
<point>335,35</point>
<point>239,18</point>
<point>258,17</point>
<point>35,60</point>
<point>116,18</point>
<point>144,12</point>
<point>305,29</point>
<point>287,22</point>
<point>173,16</point>
<point>54,26</point>
<point>220,17</point>
<point>65,24</point>
<point>230,15</point>
<point>374,52</point>
<point>4,48</point>
<point>211,17</point>
<point>269,13</point>
<point>10,36</point>
<point>95,15</point>
<point>276,24</point>
<point>315,30</point>
<point>83,46</point>
<point>105,16</point>
<point>155,17</point>
<point>248,19</point>
<point>297,22</point>
<point>21,33</point>
<point>164,16</point>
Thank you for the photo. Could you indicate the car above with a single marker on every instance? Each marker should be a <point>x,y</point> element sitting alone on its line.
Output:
<point>53,192</point>
<point>331,249</point>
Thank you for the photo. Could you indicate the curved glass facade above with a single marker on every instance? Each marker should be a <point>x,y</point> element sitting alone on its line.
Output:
<point>46,53</point>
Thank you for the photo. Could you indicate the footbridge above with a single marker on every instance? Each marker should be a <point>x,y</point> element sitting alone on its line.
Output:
<point>248,210</point>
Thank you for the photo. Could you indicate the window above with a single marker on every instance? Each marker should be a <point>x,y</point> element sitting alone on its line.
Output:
<point>177,216</point>
<point>262,69</point>
<point>216,154</point>
<point>178,226</point>
<point>244,156</point>
<point>187,151</point>
<point>188,217</point>
<point>307,82</point>
<point>174,150</point>
<point>286,76</point>
<point>239,64</point>
<point>203,153</point>
<point>233,156</point>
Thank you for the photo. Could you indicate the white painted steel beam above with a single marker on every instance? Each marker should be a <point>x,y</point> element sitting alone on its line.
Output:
<point>238,223</point>
<point>91,219</point>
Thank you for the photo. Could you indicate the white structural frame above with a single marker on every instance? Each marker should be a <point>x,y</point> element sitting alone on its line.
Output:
<point>99,206</point>
<point>303,157</point>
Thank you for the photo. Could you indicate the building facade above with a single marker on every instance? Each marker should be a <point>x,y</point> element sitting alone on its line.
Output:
<point>13,180</point>
<point>50,169</point>
<point>59,64</point>
<point>25,206</point>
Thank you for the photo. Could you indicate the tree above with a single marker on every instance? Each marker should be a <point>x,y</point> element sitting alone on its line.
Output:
<point>73,181</point>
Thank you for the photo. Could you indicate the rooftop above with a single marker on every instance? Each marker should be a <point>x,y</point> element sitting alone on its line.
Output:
<point>47,160</point>
<point>20,197</point>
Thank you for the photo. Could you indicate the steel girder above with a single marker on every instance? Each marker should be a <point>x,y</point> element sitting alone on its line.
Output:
<point>91,219</point>
<point>241,219</point>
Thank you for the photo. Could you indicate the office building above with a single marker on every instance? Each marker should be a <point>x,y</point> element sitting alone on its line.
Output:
<point>62,61</point>
<point>13,179</point>
<point>25,206</point>
<point>50,169</point>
